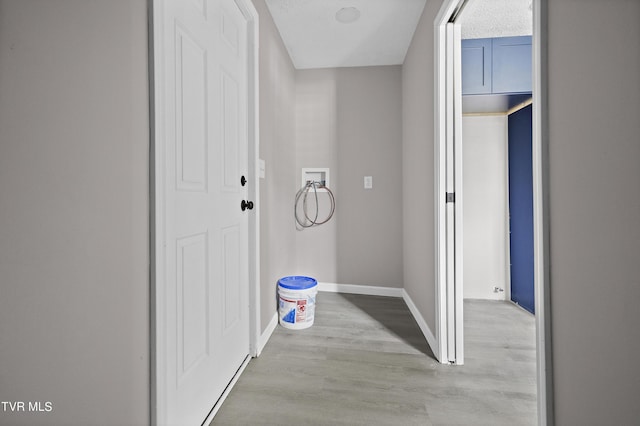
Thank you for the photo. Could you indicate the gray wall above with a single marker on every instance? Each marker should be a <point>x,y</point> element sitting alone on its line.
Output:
<point>369,244</point>
<point>74,236</point>
<point>317,147</point>
<point>277,148</point>
<point>417,167</point>
<point>594,172</point>
<point>349,119</point>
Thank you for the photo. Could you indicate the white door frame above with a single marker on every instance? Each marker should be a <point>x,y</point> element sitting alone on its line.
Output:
<point>156,202</point>
<point>448,169</point>
<point>540,199</point>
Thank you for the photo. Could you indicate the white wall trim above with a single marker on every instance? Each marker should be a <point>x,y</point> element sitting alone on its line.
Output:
<point>422,323</point>
<point>440,135</point>
<point>458,206</point>
<point>542,275</point>
<point>158,385</point>
<point>253,61</point>
<point>266,334</point>
<point>360,289</point>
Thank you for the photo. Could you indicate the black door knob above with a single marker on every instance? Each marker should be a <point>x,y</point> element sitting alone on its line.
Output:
<point>246,205</point>
<point>243,181</point>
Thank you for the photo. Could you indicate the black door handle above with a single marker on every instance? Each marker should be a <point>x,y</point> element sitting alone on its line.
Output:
<point>246,205</point>
<point>243,181</point>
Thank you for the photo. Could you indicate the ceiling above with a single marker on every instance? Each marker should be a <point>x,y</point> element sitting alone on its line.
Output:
<point>382,32</point>
<point>496,18</point>
<point>315,39</point>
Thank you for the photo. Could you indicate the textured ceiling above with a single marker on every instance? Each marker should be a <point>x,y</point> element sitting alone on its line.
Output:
<point>383,32</point>
<point>496,18</point>
<point>314,39</point>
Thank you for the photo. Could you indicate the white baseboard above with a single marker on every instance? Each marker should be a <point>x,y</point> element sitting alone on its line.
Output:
<point>424,327</point>
<point>360,289</point>
<point>266,334</point>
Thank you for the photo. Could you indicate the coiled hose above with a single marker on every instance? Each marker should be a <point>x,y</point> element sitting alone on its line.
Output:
<point>307,221</point>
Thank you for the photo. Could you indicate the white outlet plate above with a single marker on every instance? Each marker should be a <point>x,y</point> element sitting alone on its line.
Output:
<point>261,165</point>
<point>368,182</point>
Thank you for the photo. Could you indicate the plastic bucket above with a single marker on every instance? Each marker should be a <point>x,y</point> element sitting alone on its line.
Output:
<point>297,301</point>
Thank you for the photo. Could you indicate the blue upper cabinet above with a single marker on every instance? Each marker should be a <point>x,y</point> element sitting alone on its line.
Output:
<point>498,65</point>
<point>476,66</point>
<point>511,58</point>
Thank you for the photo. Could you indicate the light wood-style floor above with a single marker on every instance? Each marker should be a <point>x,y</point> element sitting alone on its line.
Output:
<point>365,362</point>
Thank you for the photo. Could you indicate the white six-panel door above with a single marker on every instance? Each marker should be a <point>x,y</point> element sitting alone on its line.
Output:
<point>204,329</point>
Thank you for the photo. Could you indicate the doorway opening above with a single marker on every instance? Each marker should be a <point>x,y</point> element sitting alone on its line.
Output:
<point>450,196</point>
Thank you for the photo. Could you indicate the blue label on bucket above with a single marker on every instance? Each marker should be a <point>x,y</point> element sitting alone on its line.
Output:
<point>290,317</point>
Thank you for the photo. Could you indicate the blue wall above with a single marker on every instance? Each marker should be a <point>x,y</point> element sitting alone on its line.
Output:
<point>521,208</point>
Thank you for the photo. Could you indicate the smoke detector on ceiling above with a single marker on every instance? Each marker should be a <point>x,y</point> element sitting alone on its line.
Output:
<point>347,15</point>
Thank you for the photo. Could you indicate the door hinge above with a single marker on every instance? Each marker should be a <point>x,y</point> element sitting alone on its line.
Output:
<point>451,197</point>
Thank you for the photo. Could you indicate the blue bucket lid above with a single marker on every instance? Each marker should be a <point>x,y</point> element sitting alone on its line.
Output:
<point>297,282</point>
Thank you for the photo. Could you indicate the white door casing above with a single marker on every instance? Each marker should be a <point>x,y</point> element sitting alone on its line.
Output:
<point>457,237</point>
<point>202,272</point>
<point>448,189</point>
